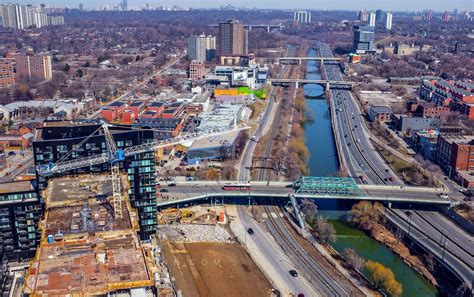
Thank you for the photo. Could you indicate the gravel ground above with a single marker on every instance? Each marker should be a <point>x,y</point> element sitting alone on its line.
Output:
<point>196,233</point>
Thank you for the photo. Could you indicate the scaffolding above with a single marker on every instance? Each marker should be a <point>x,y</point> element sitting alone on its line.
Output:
<point>330,186</point>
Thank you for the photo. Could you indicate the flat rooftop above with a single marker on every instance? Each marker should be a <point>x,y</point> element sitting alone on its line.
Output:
<point>15,187</point>
<point>226,139</point>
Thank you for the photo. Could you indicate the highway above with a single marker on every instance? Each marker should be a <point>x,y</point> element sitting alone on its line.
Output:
<point>362,160</point>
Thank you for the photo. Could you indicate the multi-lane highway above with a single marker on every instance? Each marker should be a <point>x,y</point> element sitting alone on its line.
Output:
<point>362,160</point>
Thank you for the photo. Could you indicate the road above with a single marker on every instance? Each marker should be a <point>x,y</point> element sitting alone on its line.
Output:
<point>362,158</point>
<point>184,190</point>
<point>23,161</point>
<point>306,265</point>
<point>269,256</point>
<point>263,127</point>
<point>133,89</point>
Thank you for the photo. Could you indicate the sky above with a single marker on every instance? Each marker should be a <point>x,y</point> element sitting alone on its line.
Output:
<point>391,5</point>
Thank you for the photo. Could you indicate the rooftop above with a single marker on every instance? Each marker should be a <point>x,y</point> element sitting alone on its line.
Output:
<point>117,103</point>
<point>136,103</point>
<point>156,104</point>
<point>459,139</point>
<point>16,186</point>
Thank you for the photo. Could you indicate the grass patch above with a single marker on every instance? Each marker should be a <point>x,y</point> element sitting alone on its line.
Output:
<point>259,93</point>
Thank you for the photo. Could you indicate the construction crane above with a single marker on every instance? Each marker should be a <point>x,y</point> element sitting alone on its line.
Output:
<point>114,156</point>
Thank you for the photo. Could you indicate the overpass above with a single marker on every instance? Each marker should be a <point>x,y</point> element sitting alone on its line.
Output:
<point>284,60</point>
<point>267,27</point>
<point>328,84</point>
<point>305,187</point>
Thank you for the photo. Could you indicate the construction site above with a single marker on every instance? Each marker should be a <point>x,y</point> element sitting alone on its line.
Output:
<point>86,249</point>
<point>203,256</point>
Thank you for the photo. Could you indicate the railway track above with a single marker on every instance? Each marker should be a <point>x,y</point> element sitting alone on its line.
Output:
<point>316,275</point>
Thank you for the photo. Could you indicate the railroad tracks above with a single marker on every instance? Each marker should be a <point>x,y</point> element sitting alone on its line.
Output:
<point>313,272</point>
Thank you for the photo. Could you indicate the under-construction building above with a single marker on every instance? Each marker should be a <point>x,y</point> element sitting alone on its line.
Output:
<point>85,249</point>
<point>55,141</point>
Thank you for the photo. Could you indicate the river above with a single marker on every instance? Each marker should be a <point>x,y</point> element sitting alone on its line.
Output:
<point>323,162</point>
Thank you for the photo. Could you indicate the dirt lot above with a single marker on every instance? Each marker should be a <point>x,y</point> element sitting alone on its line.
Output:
<point>214,269</point>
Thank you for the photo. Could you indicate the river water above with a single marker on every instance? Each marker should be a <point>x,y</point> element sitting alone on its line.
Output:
<point>324,162</point>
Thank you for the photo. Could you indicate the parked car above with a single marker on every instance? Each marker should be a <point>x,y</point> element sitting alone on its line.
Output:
<point>250,231</point>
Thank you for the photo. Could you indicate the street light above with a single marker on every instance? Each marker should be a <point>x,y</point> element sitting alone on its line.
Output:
<point>408,213</point>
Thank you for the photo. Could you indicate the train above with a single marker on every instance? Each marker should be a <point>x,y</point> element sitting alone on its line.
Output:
<point>237,187</point>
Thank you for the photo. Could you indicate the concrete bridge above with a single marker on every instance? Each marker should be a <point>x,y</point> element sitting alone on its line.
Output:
<point>284,60</point>
<point>310,187</point>
<point>328,84</point>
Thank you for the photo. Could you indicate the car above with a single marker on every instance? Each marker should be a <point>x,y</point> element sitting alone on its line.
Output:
<point>293,273</point>
<point>11,153</point>
<point>172,185</point>
<point>164,190</point>
<point>250,231</point>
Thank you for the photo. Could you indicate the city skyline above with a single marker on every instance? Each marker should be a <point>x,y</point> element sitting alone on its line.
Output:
<point>402,5</point>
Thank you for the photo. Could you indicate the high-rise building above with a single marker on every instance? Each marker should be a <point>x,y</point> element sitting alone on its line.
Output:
<point>81,6</point>
<point>37,67</point>
<point>20,212</point>
<point>25,16</point>
<point>363,15</point>
<point>445,16</point>
<point>302,17</point>
<point>372,18</point>
<point>363,38</point>
<point>378,15</point>
<point>232,39</point>
<point>57,138</point>
<point>201,47</point>
<point>388,21</point>
<point>197,69</point>
<point>429,15</point>
<point>7,73</point>
<point>124,5</point>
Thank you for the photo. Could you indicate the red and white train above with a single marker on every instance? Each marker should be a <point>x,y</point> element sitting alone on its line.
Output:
<point>236,187</point>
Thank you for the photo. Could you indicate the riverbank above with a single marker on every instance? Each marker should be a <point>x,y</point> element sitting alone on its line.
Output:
<point>388,239</point>
<point>323,161</point>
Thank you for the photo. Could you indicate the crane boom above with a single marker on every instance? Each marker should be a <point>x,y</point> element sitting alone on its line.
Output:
<point>115,156</point>
<point>64,166</point>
